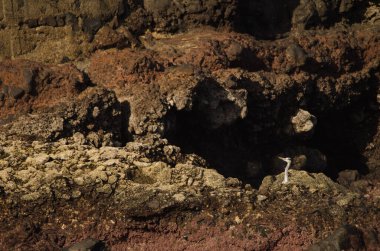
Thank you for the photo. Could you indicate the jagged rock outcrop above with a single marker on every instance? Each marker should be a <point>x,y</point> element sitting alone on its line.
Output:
<point>148,124</point>
<point>170,87</point>
<point>45,103</point>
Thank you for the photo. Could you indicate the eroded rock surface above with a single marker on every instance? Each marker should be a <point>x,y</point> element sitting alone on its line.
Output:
<point>49,103</point>
<point>145,125</point>
<point>130,186</point>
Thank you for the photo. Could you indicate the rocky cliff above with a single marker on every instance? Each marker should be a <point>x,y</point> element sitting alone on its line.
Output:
<point>144,125</point>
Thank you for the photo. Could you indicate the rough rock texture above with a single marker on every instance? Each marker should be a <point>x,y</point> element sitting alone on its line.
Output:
<point>64,27</point>
<point>144,125</point>
<point>67,27</point>
<point>48,103</point>
<point>346,237</point>
<point>303,122</point>
<point>260,85</point>
<point>171,88</point>
<point>129,186</point>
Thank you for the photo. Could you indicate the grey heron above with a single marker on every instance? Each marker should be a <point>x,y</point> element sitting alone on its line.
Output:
<point>288,163</point>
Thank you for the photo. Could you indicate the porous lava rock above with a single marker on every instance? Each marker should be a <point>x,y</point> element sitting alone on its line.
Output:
<point>46,103</point>
<point>145,125</point>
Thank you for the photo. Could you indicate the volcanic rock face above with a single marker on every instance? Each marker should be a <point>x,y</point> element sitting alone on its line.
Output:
<point>49,103</point>
<point>146,124</point>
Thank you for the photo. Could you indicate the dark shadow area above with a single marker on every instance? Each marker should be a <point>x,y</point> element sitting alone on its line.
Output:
<point>226,149</point>
<point>246,149</point>
<point>265,19</point>
<point>343,136</point>
<point>344,133</point>
<point>248,60</point>
<point>357,13</point>
<point>273,19</point>
<point>243,148</point>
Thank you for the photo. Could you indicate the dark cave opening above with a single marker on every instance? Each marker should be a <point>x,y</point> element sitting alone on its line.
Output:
<point>248,148</point>
<point>273,19</point>
<point>343,136</point>
<point>230,149</point>
<point>236,150</point>
<point>265,19</point>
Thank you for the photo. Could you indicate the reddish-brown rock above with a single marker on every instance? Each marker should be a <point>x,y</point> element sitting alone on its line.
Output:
<point>50,102</point>
<point>128,143</point>
<point>28,86</point>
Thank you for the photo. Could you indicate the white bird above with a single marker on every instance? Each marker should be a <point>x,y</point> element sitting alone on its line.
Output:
<point>288,163</point>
